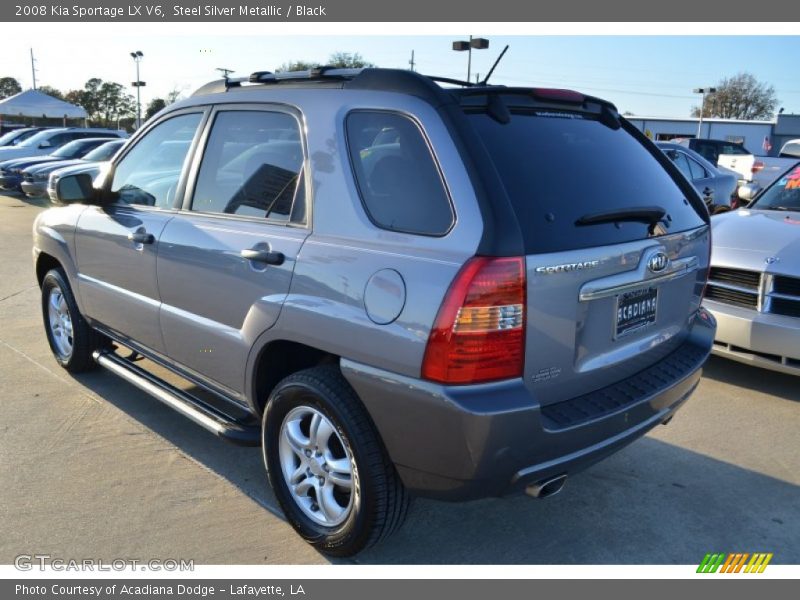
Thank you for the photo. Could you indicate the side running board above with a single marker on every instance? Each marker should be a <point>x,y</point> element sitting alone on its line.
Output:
<point>195,409</point>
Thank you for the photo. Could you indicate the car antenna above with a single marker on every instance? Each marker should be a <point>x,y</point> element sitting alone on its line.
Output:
<point>499,58</point>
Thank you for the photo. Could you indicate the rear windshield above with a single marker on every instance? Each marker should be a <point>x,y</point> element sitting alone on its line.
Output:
<point>560,166</point>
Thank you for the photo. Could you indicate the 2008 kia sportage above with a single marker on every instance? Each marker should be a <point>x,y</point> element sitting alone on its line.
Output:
<point>393,287</point>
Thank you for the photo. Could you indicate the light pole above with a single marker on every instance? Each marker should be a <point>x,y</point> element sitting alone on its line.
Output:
<point>138,84</point>
<point>477,43</point>
<point>702,92</point>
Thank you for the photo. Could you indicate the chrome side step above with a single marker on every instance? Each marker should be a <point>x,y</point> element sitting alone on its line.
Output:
<point>195,409</point>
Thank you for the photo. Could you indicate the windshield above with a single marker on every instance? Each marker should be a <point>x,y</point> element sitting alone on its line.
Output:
<point>559,167</point>
<point>74,149</point>
<point>784,194</point>
<point>17,135</point>
<point>37,139</point>
<point>103,152</point>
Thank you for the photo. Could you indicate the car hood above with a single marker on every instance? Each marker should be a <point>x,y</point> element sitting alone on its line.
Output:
<point>52,165</point>
<point>26,161</point>
<point>761,240</point>
<point>93,168</point>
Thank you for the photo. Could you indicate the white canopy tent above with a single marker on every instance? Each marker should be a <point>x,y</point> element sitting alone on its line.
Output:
<point>33,103</point>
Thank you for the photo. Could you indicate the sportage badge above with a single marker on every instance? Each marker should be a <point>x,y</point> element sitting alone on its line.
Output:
<point>658,262</point>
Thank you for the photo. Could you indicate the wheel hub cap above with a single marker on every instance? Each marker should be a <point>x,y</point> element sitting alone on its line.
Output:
<point>317,466</point>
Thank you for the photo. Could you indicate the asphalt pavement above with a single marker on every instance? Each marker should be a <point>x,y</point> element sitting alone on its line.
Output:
<point>91,467</point>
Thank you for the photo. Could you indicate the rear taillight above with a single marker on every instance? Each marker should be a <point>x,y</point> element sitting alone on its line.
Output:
<point>479,332</point>
<point>757,166</point>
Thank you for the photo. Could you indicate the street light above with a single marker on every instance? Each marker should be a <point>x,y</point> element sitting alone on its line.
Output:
<point>703,92</point>
<point>138,84</point>
<point>477,43</point>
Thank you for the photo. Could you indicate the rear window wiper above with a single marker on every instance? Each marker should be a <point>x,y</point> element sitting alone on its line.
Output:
<point>651,215</point>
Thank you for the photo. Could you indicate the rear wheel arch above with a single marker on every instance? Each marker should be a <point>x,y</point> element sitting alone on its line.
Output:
<point>278,359</point>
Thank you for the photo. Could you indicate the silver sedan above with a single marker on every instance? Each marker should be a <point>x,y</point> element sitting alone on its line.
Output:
<point>754,285</point>
<point>716,185</point>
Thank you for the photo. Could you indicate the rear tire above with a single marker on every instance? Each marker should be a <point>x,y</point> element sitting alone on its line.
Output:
<point>71,339</point>
<point>327,464</point>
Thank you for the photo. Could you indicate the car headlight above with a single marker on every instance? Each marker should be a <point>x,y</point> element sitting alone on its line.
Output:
<point>16,171</point>
<point>40,176</point>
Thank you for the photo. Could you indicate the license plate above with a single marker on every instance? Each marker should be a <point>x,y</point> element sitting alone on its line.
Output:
<point>635,310</point>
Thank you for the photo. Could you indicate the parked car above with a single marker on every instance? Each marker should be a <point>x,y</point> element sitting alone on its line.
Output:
<point>49,140</point>
<point>715,185</point>
<point>35,177</point>
<point>791,149</point>
<point>11,171</point>
<point>760,170</point>
<point>16,136</point>
<point>423,323</point>
<point>711,149</point>
<point>754,285</point>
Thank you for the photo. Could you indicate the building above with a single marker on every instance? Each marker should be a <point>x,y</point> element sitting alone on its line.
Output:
<point>750,133</point>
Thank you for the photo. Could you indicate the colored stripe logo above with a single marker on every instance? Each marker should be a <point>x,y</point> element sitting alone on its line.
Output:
<point>737,562</point>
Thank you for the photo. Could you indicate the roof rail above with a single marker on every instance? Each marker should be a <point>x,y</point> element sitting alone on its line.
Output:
<point>326,72</point>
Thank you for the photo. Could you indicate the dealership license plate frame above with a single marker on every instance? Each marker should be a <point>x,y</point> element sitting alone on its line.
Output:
<point>639,322</point>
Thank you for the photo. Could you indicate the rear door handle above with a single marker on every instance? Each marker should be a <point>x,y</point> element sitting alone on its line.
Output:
<point>269,257</point>
<point>141,237</point>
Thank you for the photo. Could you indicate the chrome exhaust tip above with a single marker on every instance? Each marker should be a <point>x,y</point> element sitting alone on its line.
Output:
<point>546,487</point>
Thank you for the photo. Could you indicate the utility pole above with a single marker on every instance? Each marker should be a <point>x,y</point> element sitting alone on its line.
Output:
<point>411,62</point>
<point>33,69</point>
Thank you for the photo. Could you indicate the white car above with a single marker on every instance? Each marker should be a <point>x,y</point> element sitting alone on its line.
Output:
<point>45,142</point>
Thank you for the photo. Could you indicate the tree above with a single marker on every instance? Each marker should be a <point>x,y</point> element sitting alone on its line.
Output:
<point>174,95</point>
<point>51,91</point>
<point>740,97</point>
<point>296,65</point>
<point>104,101</point>
<point>156,104</point>
<point>8,87</point>
<point>346,60</point>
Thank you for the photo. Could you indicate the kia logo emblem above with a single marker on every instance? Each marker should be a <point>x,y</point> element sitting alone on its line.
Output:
<point>658,262</point>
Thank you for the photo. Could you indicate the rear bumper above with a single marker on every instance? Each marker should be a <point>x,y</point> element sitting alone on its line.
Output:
<point>755,338</point>
<point>461,443</point>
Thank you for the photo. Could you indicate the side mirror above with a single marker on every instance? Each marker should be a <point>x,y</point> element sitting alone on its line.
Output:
<point>76,189</point>
<point>748,192</point>
<point>46,144</point>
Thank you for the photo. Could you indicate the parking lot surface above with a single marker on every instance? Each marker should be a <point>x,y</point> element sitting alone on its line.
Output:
<point>90,467</point>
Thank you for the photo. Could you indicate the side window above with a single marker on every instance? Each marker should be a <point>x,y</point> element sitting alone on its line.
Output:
<point>698,171</point>
<point>708,152</point>
<point>60,139</point>
<point>149,173</point>
<point>399,183</point>
<point>679,158</point>
<point>252,166</point>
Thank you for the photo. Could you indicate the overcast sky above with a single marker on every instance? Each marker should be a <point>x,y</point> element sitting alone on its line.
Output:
<point>647,75</point>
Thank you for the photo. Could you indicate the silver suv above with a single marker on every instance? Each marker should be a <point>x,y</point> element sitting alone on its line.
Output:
<point>393,287</point>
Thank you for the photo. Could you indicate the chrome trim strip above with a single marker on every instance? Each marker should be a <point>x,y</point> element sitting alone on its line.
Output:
<point>734,287</point>
<point>679,269</point>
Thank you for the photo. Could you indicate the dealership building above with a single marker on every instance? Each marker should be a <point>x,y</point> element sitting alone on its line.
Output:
<point>750,133</point>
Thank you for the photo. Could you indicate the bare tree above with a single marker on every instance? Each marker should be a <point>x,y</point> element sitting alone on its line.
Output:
<point>740,97</point>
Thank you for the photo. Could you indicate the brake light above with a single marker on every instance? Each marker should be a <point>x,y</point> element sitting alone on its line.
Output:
<point>757,166</point>
<point>558,94</point>
<point>479,332</point>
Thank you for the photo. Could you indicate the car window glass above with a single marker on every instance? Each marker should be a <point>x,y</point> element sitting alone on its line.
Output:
<point>679,158</point>
<point>252,166</point>
<point>398,180</point>
<point>697,170</point>
<point>148,175</point>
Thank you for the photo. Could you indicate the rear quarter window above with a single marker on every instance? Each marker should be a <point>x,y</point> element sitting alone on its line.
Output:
<point>557,167</point>
<point>397,177</point>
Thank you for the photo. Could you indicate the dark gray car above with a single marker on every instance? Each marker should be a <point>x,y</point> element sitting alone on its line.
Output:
<point>716,185</point>
<point>394,288</point>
